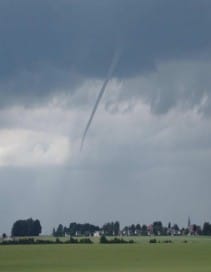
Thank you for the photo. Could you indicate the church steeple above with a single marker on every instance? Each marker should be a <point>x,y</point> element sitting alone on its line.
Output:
<point>189,222</point>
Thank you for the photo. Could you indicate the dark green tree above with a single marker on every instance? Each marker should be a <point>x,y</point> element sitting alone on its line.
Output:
<point>157,228</point>
<point>60,230</point>
<point>36,228</point>
<point>103,239</point>
<point>138,229</point>
<point>132,229</point>
<point>116,229</point>
<point>28,227</point>
<point>144,230</point>
<point>206,228</point>
<point>108,229</point>
<point>54,232</point>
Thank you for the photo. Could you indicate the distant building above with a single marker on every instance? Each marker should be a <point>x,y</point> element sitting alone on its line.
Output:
<point>193,229</point>
<point>150,230</point>
<point>97,234</point>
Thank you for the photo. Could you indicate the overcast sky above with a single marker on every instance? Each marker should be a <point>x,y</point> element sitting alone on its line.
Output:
<point>148,151</point>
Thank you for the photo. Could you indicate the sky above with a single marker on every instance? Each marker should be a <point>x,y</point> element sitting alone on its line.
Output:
<point>147,153</point>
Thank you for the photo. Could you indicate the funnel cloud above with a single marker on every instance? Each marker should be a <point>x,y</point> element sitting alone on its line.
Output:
<point>112,67</point>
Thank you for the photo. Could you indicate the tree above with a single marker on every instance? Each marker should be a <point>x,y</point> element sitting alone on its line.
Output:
<point>125,230</point>
<point>60,230</point>
<point>116,228</point>
<point>36,228</point>
<point>132,229</point>
<point>103,239</point>
<point>206,228</point>
<point>108,229</point>
<point>54,232</point>
<point>28,227</point>
<point>73,229</point>
<point>157,228</point>
<point>144,230</point>
<point>82,229</point>
<point>138,229</point>
<point>20,228</point>
<point>197,230</point>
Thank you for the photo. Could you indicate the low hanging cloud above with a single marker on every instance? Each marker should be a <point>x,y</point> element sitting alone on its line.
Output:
<point>30,148</point>
<point>185,84</point>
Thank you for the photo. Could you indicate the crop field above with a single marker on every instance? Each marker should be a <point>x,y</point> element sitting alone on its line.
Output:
<point>191,256</point>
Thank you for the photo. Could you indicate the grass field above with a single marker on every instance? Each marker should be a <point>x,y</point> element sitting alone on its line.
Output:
<point>194,256</point>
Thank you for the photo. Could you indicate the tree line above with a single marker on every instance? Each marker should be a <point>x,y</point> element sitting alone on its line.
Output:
<point>113,229</point>
<point>30,227</point>
<point>77,229</point>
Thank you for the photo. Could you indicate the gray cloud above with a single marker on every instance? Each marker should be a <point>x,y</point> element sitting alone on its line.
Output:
<point>85,34</point>
<point>183,83</point>
<point>45,45</point>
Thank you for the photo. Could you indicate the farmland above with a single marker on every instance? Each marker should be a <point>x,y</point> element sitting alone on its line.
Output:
<point>141,256</point>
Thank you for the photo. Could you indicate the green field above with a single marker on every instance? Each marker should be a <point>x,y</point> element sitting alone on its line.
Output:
<point>194,256</point>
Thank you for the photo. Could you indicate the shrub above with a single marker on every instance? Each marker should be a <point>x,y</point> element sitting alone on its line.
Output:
<point>73,241</point>
<point>167,241</point>
<point>103,239</point>
<point>85,241</point>
<point>43,242</point>
<point>58,241</point>
<point>153,241</point>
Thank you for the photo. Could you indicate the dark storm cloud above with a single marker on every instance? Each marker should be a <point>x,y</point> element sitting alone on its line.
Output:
<point>47,39</point>
<point>84,34</point>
